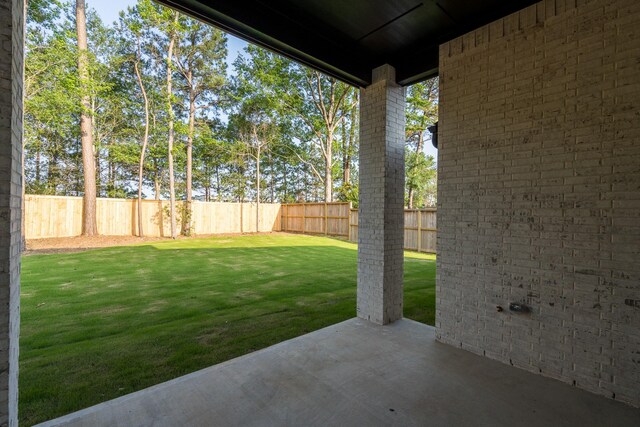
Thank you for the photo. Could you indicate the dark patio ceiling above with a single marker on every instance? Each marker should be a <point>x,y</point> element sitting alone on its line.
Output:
<point>348,38</point>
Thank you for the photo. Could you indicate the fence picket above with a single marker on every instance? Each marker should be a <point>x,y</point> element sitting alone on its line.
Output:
<point>58,216</point>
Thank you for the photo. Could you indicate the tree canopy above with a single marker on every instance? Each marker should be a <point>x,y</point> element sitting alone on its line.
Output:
<point>266,128</point>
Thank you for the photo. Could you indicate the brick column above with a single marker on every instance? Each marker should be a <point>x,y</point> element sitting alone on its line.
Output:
<point>12,14</point>
<point>381,216</point>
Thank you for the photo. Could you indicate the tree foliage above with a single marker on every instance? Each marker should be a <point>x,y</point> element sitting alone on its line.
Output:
<point>421,112</point>
<point>305,124</point>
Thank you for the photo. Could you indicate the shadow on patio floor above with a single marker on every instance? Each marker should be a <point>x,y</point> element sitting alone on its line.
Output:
<point>356,373</point>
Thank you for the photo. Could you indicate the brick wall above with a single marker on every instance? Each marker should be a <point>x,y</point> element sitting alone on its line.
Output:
<point>539,193</point>
<point>381,199</point>
<point>11,77</point>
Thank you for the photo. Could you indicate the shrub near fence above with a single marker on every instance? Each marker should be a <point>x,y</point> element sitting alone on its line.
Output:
<point>57,216</point>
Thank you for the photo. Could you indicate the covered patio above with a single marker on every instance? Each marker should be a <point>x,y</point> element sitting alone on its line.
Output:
<point>538,237</point>
<point>356,373</point>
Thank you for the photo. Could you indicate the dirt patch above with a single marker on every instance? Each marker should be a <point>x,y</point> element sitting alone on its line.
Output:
<point>56,245</point>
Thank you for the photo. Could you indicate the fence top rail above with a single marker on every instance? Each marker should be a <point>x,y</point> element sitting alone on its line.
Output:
<point>315,203</point>
<point>49,196</point>
<point>230,203</point>
<point>408,210</point>
<point>134,199</point>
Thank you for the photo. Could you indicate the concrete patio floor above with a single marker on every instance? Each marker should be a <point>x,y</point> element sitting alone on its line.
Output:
<point>358,374</point>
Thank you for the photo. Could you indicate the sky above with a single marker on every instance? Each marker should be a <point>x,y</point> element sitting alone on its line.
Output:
<point>109,10</point>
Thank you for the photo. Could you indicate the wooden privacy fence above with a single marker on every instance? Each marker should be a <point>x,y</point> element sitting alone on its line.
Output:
<point>56,216</point>
<point>419,229</point>
<point>331,219</point>
<point>338,219</point>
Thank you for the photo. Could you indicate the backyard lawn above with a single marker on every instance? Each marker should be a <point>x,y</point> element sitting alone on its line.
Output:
<point>102,323</point>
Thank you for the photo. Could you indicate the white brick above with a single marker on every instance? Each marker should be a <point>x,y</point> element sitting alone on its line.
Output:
<point>381,221</point>
<point>11,78</point>
<point>539,193</point>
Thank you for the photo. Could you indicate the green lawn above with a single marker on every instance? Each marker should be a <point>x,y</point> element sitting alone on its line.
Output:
<point>102,323</point>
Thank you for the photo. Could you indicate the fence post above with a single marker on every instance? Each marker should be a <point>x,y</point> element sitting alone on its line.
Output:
<point>326,220</point>
<point>304,219</point>
<point>419,230</point>
<point>349,221</point>
<point>283,219</point>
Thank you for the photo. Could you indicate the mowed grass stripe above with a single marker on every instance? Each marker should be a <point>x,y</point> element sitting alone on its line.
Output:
<point>102,323</point>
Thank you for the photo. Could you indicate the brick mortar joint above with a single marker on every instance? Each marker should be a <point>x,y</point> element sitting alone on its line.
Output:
<point>505,32</point>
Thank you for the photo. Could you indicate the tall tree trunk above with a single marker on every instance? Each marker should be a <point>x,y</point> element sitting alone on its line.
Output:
<point>352,141</point>
<point>107,185</point>
<point>186,222</point>
<point>346,159</point>
<point>286,188</point>
<point>110,173</point>
<point>97,149</point>
<point>172,190</point>
<point>53,174</point>
<point>218,185</point>
<point>328,179</point>
<point>78,188</point>
<point>207,189</point>
<point>89,221</point>
<point>38,177</point>
<point>145,140</point>
<point>346,170</point>
<point>99,184</point>
<point>258,190</point>
<point>412,190</point>
<point>420,143</point>
<point>273,178</point>
<point>156,179</point>
<point>156,186</point>
<point>156,191</point>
